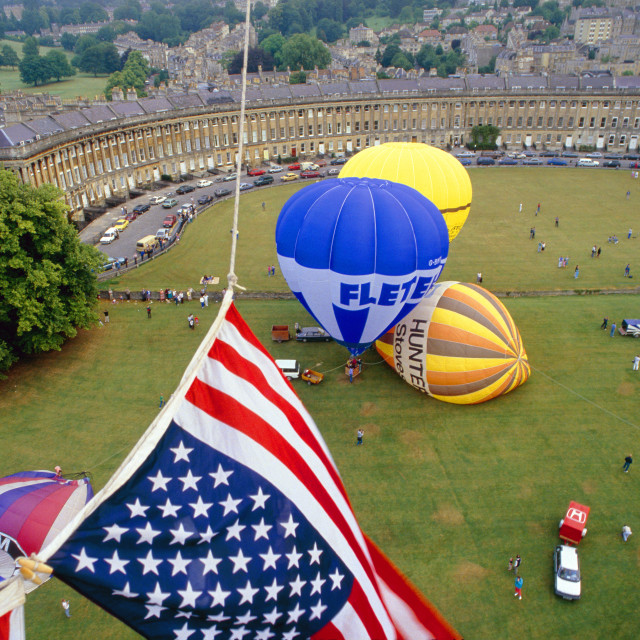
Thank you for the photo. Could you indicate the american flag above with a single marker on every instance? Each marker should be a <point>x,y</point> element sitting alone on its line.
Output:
<point>229,521</point>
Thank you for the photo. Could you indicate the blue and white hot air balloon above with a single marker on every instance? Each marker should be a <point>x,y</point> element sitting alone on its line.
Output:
<point>359,254</point>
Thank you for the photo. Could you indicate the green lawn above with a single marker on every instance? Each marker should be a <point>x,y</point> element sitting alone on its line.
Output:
<point>449,492</point>
<point>82,84</point>
<point>495,239</point>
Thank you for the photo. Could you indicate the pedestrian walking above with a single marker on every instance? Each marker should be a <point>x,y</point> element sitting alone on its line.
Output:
<point>627,271</point>
<point>627,463</point>
<point>191,320</point>
<point>66,607</point>
<point>626,532</point>
<point>629,234</point>
<point>106,317</point>
<point>263,206</point>
<point>576,272</point>
<point>636,363</point>
<point>518,584</point>
<point>161,401</point>
<point>613,329</point>
<point>520,209</point>
<point>604,322</point>
<point>557,221</point>
<point>148,312</point>
<point>516,564</point>
<point>510,564</point>
<point>202,302</point>
<point>359,436</point>
<point>538,210</point>
<point>206,299</point>
<point>628,194</point>
<point>599,252</point>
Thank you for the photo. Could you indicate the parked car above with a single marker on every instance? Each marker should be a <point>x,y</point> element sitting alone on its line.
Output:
<point>185,188</point>
<point>244,186</point>
<point>310,173</point>
<point>275,169</point>
<point>230,176</point>
<point>204,183</point>
<point>507,161</point>
<point>333,172</point>
<point>631,156</point>
<point>533,161</point>
<point>611,163</point>
<point>112,263</point>
<point>594,154</point>
<point>205,199</point>
<point>157,199</point>
<point>221,193</point>
<point>289,176</point>
<point>163,234</point>
<point>465,154</point>
<point>262,180</point>
<point>121,224</point>
<point>168,204</point>
<point>169,221</point>
<point>139,209</point>
<point>465,161</point>
<point>131,216</point>
<point>549,154</point>
<point>313,334</point>
<point>613,156</point>
<point>569,154</point>
<point>485,161</point>
<point>256,172</point>
<point>109,235</point>
<point>557,162</point>
<point>588,162</point>
<point>337,161</point>
<point>529,154</point>
<point>294,167</point>
<point>566,568</point>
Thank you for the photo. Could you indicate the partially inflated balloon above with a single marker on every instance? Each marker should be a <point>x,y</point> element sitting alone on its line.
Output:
<point>437,175</point>
<point>459,345</point>
<point>359,254</point>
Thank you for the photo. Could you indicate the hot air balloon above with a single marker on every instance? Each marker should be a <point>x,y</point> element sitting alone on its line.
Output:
<point>34,507</point>
<point>436,174</point>
<point>459,345</point>
<point>359,254</point>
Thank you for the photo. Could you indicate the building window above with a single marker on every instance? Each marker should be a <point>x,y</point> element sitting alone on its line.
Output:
<point>614,123</point>
<point>529,122</point>
<point>510,121</point>
<point>570,123</point>
<point>540,121</point>
<point>612,138</point>
<point>625,122</point>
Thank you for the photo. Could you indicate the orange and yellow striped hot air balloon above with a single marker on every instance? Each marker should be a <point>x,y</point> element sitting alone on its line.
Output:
<point>459,345</point>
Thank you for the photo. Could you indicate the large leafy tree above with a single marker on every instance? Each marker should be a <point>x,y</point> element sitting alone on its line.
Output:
<point>100,57</point>
<point>58,64</point>
<point>47,280</point>
<point>133,75</point>
<point>9,56</point>
<point>302,50</point>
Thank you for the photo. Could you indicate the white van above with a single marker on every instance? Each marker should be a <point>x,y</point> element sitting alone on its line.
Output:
<point>290,368</point>
<point>163,234</point>
<point>109,236</point>
<point>309,166</point>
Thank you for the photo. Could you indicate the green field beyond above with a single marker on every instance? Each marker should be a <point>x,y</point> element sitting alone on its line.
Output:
<point>448,492</point>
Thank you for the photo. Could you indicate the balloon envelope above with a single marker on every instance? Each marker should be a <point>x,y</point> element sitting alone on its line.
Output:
<point>459,345</point>
<point>437,175</point>
<point>35,506</point>
<point>359,254</point>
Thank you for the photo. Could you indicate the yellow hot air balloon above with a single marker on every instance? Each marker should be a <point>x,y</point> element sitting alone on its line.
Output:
<point>459,344</point>
<point>436,174</point>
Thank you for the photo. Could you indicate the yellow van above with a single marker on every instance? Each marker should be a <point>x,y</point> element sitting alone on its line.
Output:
<point>148,243</point>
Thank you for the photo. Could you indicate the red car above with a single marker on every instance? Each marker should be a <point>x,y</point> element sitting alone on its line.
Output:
<point>294,167</point>
<point>169,221</point>
<point>256,172</point>
<point>310,174</point>
<point>131,216</point>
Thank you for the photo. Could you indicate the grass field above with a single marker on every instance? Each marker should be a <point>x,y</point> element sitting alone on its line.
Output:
<point>449,492</point>
<point>82,84</point>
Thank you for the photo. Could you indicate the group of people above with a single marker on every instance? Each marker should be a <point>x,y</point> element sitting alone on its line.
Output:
<point>563,262</point>
<point>271,270</point>
<point>192,320</point>
<point>541,246</point>
<point>596,251</point>
<point>514,565</point>
<point>353,365</point>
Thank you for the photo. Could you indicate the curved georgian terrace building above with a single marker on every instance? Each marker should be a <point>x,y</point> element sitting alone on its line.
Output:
<point>108,150</point>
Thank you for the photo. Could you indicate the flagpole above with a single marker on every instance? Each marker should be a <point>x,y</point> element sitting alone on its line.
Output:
<point>147,443</point>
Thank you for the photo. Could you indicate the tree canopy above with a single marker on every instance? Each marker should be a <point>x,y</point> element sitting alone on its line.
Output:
<point>304,51</point>
<point>133,75</point>
<point>47,280</point>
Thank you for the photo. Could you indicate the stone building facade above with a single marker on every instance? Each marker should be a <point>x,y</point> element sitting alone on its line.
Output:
<point>108,150</point>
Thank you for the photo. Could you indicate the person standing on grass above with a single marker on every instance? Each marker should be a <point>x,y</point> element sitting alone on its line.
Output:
<point>66,606</point>
<point>629,234</point>
<point>626,532</point>
<point>613,330</point>
<point>576,272</point>
<point>636,363</point>
<point>148,312</point>
<point>510,564</point>
<point>604,322</point>
<point>516,564</point>
<point>359,436</point>
<point>627,463</point>
<point>627,271</point>
<point>557,221</point>
<point>518,585</point>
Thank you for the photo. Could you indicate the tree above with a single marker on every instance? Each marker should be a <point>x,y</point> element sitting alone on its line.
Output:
<point>329,30</point>
<point>484,136</point>
<point>133,75</point>
<point>58,64</point>
<point>106,34</point>
<point>298,77</point>
<point>232,16</point>
<point>401,61</point>
<point>130,10</point>
<point>30,47</point>
<point>98,58</point>
<point>47,281</point>
<point>302,50</point>
<point>92,12</point>
<point>160,27</point>
<point>9,56</point>
<point>34,70</point>
<point>259,10</point>
<point>256,57</point>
